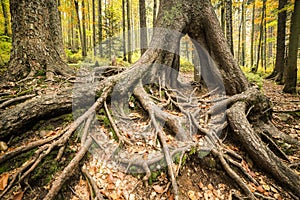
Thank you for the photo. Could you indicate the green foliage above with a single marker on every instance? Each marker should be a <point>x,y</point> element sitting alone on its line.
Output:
<point>73,57</point>
<point>185,65</point>
<point>255,79</point>
<point>5,47</point>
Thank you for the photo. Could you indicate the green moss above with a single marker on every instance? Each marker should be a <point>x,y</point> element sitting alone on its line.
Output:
<point>16,161</point>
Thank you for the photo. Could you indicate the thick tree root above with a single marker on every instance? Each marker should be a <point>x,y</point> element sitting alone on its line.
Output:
<point>263,156</point>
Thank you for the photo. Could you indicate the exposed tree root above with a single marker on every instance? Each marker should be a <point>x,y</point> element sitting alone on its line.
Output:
<point>240,109</point>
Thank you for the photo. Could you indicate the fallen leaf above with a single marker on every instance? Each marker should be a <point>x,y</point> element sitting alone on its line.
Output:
<point>18,196</point>
<point>260,189</point>
<point>3,181</point>
<point>158,189</point>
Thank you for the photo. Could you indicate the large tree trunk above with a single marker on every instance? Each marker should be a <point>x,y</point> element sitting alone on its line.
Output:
<point>37,40</point>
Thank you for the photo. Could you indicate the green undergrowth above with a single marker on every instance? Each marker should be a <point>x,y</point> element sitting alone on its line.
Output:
<point>5,47</point>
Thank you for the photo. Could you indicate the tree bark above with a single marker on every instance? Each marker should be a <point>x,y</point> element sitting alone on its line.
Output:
<point>291,69</point>
<point>37,40</point>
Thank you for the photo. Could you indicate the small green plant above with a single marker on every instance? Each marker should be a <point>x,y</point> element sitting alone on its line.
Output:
<point>255,79</point>
<point>5,47</point>
<point>73,56</point>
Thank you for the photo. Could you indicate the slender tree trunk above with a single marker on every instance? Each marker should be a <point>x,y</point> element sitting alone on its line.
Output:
<point>261,32</point>
<point>223,15</point>
<point>252,36</point>
<point>265,41</point>
<point>94,28</point>
<point>277,73</point>
<point>100,27</point>
<point>290,71</point>
<point>239,42</point>
<point>124,29</point>
<point>243,21</point>
<point>154,11</point>
<point>228,16</point>
<point>129,31</point>
<point>6,19</point>
<point>79,26</point>
<point>143,27</point>
<point>84,38</point>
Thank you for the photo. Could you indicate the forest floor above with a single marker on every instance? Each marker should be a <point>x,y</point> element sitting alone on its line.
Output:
<point>201,178</point>
<point>197,178</point>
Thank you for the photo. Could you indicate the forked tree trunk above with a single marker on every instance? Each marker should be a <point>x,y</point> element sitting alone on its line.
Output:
<point>175,19</point>
<point>37,41</point>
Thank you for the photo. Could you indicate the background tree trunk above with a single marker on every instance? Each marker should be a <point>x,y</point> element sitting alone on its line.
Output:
<point>143,27</point>
<point>154,11</point>
<point>291,69</point>
<point>228,16</point>
<point>124,29</point>
<point>100,27</point>
<point>84,38</point>
<point>252,36</point>
<point>94,27</point>
<point>6,19</point>
<point>280,43</point>
<point>129,32</point>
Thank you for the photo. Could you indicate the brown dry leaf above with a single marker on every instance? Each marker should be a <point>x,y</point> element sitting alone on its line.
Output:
<point>3,181</point>
<point>260,189</point>
<point>18,196</point>
<point>158,189</point>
